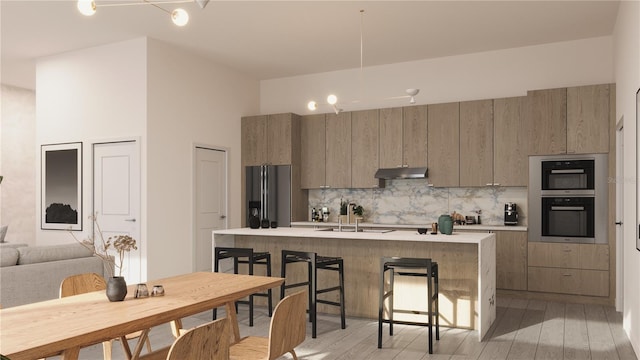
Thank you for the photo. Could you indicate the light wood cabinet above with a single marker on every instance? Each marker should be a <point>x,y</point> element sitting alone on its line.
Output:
<point>476,140</point>
<point>391,141</point>
<point>268,139</point>
<point>443,144</point>
<point>313,151</point>
<point>510,151</point>
<point>403,137</point>
<point>578,269</point>
<point>364,149</point>
<point>279,139</point>
<point>511,260</point>
<point>588,119</point>
<point>254,140</point>
<point>338,150</point>
<point>546,121</point>
<point>414,136</point>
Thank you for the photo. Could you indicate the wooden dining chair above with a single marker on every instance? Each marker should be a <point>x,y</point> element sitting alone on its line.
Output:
<point>288,329</point>
<point>84,283</point>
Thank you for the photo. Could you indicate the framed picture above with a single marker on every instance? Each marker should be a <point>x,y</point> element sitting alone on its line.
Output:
<point>61,186</point>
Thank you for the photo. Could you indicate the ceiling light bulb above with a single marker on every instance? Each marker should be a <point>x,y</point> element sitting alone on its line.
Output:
<point>312,105</point>
<point>86,7</point>
<point>180,17</point>
<point>332,99</point>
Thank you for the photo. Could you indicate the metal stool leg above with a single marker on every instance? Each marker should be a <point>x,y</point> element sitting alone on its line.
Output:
<point>381,303</point>
<point>269,292</point>
<point>343,321</point>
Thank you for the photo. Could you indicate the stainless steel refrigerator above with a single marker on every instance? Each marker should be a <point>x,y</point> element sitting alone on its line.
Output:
<point>268,193</point>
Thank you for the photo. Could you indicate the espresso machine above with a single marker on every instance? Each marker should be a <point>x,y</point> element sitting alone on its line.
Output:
<point>510,214</point>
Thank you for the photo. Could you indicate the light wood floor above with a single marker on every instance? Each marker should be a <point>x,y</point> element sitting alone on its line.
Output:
<point>524,329</point>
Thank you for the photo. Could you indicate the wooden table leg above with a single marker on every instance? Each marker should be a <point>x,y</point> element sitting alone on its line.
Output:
<point>141,341</point>
<point>230,308</point>
<point>71,354</point>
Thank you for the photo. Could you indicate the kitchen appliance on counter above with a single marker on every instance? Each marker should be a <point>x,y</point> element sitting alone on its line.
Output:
<point>568,198</point>
<point>268,192</point>
<point>510,214</point>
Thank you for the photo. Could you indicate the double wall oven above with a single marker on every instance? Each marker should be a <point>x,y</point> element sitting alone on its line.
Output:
<point>568,198</point>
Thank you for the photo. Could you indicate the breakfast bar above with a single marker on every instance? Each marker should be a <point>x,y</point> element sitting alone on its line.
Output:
<point>467,267</point>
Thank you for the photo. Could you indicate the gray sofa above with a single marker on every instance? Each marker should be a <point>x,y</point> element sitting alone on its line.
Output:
<point>33,273</point>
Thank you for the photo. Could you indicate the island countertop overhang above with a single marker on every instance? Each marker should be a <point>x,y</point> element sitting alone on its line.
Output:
<point>397,235</point>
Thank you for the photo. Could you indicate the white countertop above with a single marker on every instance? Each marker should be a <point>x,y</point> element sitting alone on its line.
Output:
<point>480,227</point>
<point>397,235</point>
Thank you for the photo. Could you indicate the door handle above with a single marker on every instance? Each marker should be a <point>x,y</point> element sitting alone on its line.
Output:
<point>618,222</point>
<point>131,220</point>
<point>223,216</point>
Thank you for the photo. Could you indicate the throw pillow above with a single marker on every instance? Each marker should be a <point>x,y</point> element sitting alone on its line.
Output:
<point>3,232</point>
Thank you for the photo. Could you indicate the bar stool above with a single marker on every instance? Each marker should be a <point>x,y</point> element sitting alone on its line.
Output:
<point>245,256</point>
<point>315,263</point>
<point>409,267</point>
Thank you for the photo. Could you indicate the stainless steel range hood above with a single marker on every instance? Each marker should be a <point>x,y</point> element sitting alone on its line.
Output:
<point>402,173</point>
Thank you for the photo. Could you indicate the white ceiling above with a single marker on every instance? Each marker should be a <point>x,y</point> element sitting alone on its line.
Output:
<point>272,39</point>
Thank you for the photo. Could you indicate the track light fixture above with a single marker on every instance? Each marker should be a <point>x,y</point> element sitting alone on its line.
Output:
<point>332,100</point>
<point>179,16</point>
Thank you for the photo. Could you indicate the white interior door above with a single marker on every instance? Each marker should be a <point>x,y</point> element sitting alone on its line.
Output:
<point>116,199</point>
<point>210,202</point>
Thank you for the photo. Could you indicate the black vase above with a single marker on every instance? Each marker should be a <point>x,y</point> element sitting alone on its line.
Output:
<point>116,288</point>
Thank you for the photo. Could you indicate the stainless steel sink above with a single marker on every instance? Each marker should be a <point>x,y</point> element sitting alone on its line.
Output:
<point>379,231</point>
<point>352,229</point>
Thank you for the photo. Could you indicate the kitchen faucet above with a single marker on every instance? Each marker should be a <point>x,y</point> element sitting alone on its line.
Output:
<point>350,208</point>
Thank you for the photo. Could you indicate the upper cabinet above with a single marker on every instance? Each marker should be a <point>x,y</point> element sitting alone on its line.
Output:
<point>403,137</point>
<point>254,140</point>
<point>415,136</point>
<point>338,150</point>
<point>476,141</point>
<point>443,144</point>
<point>313,154</point>
<point>326,151</point>
<point>364,148</point>
<point>268,139</point>
<point>588,119</point>
<point>510,152</point>
<point>571,120</point>
<point>546,120</point>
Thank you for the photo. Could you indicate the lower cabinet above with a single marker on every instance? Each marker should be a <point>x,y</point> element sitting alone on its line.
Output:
<point>577,269</point>
<point>511,259</point>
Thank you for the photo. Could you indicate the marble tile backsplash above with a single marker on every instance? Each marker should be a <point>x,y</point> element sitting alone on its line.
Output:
<point>414,202</point>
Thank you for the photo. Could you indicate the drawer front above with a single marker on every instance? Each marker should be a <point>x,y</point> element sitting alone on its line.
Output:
<point>594,256</point>
<point>555,280</point>
<point>554,255</point>
<point>569,281</point>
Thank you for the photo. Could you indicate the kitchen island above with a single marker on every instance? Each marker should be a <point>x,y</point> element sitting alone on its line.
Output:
<point>466,261</point>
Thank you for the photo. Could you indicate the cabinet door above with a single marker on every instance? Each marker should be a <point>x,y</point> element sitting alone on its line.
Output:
<point>415,133</point>
<point>364,148</point>
<point>391,138</point>
<point>510,160</point>
<point>279,139</point>
<point>588,119</point>
<point>312,151</point>
<point>338,150</point>
<point>476,139</point>
<point>546,121</point>
<point>254,140</point>
<point>594,256</point>
<point>511,260</point>
<point>444,144</point>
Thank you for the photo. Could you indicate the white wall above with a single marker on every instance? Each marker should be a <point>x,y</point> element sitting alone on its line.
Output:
<point>484,75</point>
<point>627,74</point>
<point>87,95</point>
<point>17,164</point>
<point>190,100</point>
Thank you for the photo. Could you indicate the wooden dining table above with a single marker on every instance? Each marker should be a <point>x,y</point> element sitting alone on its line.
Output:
<point>64,326</point>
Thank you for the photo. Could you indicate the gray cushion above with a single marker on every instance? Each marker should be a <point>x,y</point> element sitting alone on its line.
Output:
<point>8,256</point>
<point>38,254</point>
<point>3,232</point>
